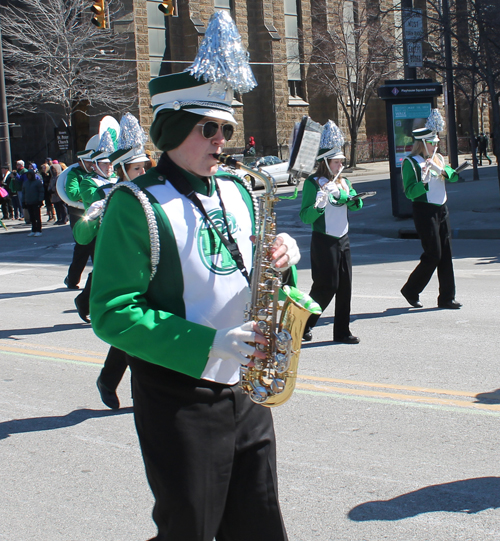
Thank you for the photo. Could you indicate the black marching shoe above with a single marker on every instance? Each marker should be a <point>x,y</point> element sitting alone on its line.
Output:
<point>450,305</point>
<point>70,286</point>
<point>347,339</point>
<point>82,308</point>
<point>415,302</point>
<point>108,397</point>
<point>307,336</point>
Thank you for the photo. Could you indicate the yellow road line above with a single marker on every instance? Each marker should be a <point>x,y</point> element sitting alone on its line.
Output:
<point>399,397</point>
<point>388,386</point>
<point>319,385</point>
<point>40,353</point>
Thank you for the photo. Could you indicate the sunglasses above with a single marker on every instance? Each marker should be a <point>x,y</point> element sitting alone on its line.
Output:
<point>210,129</point>
<point>433,143</point>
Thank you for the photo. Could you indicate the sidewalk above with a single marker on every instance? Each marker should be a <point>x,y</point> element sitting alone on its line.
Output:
<point>474,205</point>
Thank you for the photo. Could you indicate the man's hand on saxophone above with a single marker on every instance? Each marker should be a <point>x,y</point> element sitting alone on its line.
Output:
<point>285,252</point>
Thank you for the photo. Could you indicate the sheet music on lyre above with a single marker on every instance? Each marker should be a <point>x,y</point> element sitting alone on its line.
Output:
<point>307,136</point>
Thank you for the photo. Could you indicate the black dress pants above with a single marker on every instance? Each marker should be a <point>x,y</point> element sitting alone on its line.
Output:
<point>210,458</point>
<point>114,367</point>
<point>432,223</point>
<point>81,252</point>
<point>331,269</point>
<point>36,218</point>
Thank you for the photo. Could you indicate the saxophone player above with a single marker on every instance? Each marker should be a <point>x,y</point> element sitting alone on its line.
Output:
<point>326,197</point>
<point>209,451</point>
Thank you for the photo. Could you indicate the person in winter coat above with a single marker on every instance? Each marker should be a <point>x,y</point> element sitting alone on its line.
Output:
<point>61,210</point>
<point>33,200</point>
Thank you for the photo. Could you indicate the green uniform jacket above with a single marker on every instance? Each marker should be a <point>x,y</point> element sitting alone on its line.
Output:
<point>142,317</point>
<point>316,216</point>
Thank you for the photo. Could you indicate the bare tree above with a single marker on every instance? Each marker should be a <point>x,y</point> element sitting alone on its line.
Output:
<point>473,26</point>
<point>360,47</point>
<point>54,57</point>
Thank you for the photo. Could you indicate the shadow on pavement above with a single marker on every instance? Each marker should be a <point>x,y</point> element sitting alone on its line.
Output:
<point>465,496</point>
<point>13,333</point>
<point>493,397</point>
<point>39,424</point>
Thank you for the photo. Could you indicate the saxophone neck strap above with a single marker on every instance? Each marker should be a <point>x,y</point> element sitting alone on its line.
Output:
<point>167,168</point>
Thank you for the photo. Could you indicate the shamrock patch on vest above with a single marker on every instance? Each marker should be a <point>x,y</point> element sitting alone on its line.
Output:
<point>213,254</point>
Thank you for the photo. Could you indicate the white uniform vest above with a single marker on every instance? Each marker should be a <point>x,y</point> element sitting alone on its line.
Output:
<point>336,222</point>
<point>215,293</point>
<point>437,189</point>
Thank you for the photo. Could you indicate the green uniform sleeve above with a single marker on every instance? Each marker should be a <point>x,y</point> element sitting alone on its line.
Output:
<point>353,204</point>
<point>72,186</point>
<point>87,189</point>
<point>413,187</point>
<point>451,173</point>
<point>85,231</point>
<point>122,312</point>
<point>309,214</point>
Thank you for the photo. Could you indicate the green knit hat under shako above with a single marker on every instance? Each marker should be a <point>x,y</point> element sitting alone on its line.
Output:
<point>205,88</point>
<point>331,143</point>
<point>433,125</point>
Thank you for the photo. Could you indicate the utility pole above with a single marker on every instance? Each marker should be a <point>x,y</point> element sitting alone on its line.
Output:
<point>409,72</point>
<point>450,94</point>
<point>4,117</point>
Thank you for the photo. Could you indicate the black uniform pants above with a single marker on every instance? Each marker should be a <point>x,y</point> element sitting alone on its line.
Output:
<point>81,252</point>
<point>432,223</point>
<point>210,458</point>
<point>114,367</point>
<point>331,268</point>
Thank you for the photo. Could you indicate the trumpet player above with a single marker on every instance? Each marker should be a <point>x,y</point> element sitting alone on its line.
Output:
<point>326,198</point>
<point>424,176</point>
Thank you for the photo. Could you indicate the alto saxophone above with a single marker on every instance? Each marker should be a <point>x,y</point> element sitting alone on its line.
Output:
<point>281,319</point>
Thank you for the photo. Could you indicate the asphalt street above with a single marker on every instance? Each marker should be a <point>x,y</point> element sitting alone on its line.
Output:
<point>395,438</point>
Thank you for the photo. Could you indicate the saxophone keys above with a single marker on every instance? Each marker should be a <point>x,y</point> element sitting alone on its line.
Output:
<point>277,385</point>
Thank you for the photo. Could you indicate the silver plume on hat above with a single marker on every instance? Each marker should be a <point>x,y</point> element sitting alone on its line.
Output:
<point>221,57</point>
<point>131,133</point>
<point>332,137</point>
<point>435,121</point>
<point>106,143</point>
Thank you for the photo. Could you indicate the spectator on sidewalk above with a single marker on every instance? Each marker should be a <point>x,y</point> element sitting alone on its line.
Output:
<point>33,200</point>
<point>482,147</point>
<point>59,205</point>
<point>19,180</point>
<point>45,174</point>
<point>5,197</point>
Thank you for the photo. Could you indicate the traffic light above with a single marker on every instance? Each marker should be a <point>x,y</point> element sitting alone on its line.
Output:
<point>167,7</point>
<point>99,8</point>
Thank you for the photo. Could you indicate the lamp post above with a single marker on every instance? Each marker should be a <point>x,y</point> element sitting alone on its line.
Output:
<point>449,95</point>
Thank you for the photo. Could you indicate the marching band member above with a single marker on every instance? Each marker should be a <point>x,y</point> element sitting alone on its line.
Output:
<point>129,161</point>
<point>74,176</point>
<point>424,175</point>
<point>326,197</point>
<point>209,451</point>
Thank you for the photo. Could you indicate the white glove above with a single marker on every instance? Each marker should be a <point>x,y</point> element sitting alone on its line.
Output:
<point>232,343</point>
<point>332,189</point>
<point>434,167</point>
<point>321,200</point>
<point>292,250</point>
<point>95,210</point>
